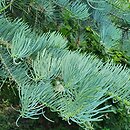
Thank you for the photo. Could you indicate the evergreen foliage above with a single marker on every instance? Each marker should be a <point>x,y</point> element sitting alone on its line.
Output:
<point>35,56</point>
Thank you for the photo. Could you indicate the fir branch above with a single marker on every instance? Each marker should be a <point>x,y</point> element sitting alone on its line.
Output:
<point>76,9</point>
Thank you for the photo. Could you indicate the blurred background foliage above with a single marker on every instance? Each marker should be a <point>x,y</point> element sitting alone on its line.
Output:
<point>105,33</point>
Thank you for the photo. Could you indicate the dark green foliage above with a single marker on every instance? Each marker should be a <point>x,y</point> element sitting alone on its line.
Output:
<point>9,93</point>
<point>8,118</point>
<point>119,120</point>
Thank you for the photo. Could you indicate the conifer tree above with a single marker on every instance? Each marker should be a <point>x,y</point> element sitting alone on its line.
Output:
<point>34,54</point>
